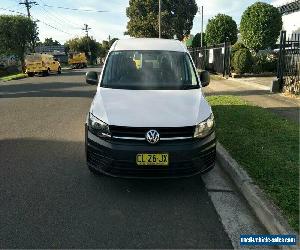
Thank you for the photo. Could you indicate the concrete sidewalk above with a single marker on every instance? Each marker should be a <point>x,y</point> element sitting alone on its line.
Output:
<point>257,94</point>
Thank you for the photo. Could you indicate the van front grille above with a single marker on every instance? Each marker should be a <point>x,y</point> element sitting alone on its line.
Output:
<point>164,132</point>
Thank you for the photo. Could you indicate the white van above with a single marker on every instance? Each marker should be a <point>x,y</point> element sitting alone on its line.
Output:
<point>150,119</point>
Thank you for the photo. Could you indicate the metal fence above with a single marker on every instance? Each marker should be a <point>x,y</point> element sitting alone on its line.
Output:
<point>213,58</point>
<point>288,67</point>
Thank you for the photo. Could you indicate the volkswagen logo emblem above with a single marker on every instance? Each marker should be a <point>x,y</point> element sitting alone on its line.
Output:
<point>152,136</point>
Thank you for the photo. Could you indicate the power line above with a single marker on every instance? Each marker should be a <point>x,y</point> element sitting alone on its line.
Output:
<point>64,20</point>
<point>13,11</point>
<point>37,20</point>
<point>66,8</point>
<point>55,19</point>
<point>53,27</point>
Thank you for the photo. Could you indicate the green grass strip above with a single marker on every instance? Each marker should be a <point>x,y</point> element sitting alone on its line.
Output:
<point>13,77</point>
<point>266,145</point>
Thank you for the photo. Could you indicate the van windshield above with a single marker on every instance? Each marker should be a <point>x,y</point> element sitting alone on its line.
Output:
<point>149,70</point>
<point>33,58</point>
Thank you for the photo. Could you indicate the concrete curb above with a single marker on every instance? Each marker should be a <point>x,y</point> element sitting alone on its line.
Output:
<point>268,214</point>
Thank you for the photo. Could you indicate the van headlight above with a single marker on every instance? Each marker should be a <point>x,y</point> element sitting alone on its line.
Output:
<point>98,127</point>
<point>205,127</point>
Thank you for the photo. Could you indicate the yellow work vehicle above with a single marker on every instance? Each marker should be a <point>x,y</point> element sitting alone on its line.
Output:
<point>41,63</point>
<point>77,60</point>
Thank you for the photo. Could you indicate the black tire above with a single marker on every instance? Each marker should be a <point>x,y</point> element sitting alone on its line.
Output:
<point>30,74</point>
<point>59,70</point>
<point>46,72</point>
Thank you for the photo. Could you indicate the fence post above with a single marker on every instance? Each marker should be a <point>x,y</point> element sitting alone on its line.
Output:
<point>224,59</point>
<point>280,64</point>
<point>229,58</point>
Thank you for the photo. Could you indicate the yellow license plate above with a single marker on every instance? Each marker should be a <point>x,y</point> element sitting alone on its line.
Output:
<point>152,159</point>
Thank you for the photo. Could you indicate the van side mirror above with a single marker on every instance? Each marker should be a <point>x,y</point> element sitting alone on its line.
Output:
<point>204,78</point>
<point>91,78</point>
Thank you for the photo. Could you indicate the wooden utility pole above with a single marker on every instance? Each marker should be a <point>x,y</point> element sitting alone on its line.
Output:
<point>202,26</point>
<point>86,29</point>
<point>28,5</point>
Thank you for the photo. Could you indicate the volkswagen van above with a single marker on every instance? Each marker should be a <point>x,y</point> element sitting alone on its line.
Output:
<point>149,120</point>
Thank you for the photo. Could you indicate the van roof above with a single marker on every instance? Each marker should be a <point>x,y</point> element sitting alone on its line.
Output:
<point>148,44</point>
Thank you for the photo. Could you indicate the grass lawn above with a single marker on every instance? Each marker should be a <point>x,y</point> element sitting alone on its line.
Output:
<point>266,145</point>
<point>13,77</point>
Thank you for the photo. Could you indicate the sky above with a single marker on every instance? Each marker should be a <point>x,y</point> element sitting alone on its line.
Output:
<point>66,24</point>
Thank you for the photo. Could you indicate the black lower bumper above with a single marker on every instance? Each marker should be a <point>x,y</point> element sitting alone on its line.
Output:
<point>118,157</point>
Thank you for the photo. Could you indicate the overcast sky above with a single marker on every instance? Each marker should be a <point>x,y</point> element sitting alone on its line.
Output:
<point>69,23</point>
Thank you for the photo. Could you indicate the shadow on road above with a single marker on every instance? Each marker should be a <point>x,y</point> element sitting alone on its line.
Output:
<point>48,89</point>
<point>50,200</point>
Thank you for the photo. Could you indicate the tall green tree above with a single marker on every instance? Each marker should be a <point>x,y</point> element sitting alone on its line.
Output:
<point>17,34</point>
<point>176,18</point>
<point>111,42</point>
<point>197,40</point>
<point>221,28</point>
<point>49,42</point>
<point>260,26</point>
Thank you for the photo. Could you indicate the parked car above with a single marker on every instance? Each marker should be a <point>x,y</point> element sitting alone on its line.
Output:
<point>151,119</point>
<point>41,63</point>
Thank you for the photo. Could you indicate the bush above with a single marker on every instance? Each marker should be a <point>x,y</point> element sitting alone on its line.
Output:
<point>237,46</point>
<point>260,26</point>
<point>242,61</point>
<point>264,62</point>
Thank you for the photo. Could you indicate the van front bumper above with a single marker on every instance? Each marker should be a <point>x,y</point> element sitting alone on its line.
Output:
<point>118,157</point>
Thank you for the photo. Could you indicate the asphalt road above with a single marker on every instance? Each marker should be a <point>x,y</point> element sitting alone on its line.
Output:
<point>49,199</point>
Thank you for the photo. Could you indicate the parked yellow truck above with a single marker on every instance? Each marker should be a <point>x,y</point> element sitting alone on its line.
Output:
<point>41,63</point>
<point>77,60</point>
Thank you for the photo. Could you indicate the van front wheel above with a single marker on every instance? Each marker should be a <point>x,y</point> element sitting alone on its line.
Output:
<point>59,70</point>
<point>30,74</point>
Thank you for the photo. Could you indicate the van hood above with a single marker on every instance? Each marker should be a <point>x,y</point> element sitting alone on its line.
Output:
<point>150,108</point>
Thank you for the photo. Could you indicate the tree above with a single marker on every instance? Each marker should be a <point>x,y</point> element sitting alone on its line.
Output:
<point>260,26</point>
<point>50,42</point>
<point>221,28</point>
<point>111,42</point>
<point>176,18</point>
<point>18,33</point>
<point>197,40</point>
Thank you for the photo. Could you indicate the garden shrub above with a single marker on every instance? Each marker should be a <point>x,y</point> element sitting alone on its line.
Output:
<point>242,61</point>
<point>265,62</point>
